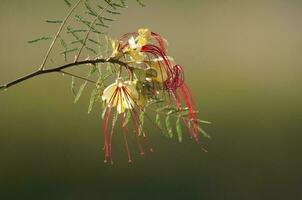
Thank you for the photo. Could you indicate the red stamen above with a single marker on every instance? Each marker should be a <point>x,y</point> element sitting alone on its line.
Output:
<point>125,132</point>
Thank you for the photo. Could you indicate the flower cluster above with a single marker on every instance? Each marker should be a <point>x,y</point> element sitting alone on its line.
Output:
<point>148,76</point>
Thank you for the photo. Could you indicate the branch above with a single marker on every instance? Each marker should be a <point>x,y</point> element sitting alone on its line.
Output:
<point>79,77</point>
<point>60,68</point>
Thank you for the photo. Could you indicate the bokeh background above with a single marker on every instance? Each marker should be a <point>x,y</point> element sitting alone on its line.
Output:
<point>243,62</point>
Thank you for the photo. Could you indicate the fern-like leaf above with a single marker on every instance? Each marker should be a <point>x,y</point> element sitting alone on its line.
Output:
<point>178,129</point>
<point>140,3</point>
<point>80,91</point>
<point>67,3</point>
<point>169,126</point>
<point>93,98</point>
<point>72,87</point>
<point>54,21</point>
<point>39,39</point>
<point>205,134</point>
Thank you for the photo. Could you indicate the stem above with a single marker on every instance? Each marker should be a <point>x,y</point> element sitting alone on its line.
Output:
<point>79,77</point>
<point>60,68</point>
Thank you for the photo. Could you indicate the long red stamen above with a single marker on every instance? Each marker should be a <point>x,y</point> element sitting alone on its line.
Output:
<point>106,134</point>
<point>186,95</point>
<point>125,132</point>
<point>136,121</point>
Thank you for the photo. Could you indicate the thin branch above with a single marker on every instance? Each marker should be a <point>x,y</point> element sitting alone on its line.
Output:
<point>58,34</point>
<point>60,68</point>
<point>77,76</point>
<point>90,29</point>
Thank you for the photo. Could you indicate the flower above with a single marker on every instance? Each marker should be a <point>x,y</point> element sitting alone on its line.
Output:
<point>135,44</point>
<point>122,95</point>
<point>144,35</point>
<point>125,96</point>
<point>115,49</point>
<point>153,77</point>
<point>134,51</point>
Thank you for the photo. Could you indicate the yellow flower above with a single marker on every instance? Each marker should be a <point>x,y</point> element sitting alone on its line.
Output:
<point>115,52</point>
<point>122,95</point>
<point>135,45</point>
<point>143,37</point>
<point>134,51</point>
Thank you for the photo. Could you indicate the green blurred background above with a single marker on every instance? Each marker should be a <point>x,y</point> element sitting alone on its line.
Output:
<point>243,62</point>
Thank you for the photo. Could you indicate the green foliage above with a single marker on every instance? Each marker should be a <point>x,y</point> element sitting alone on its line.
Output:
<point>54,21</point>
<point>78,39</point>
<point>64,45</point>
<point>173,114</point>
<point>103,25</point>
<point>158,121</point>
<point>178,129</point>
<point>92,50</point>
<point>67,3</point>
<point>70,51</point>
<point>140,3</point>
<point>110,3</point>
<point>102,10</point>
<point>75,35</point>
<point>93,99</point>
<point>169,126</point>
<point>205,134</point>
<point>95,42</point>
<point>203,121</point>
<point>123,3</point>
<point>158,101</point>
<point>113,12</point>
<point>87,23</point>
<point>118,5</point>
<point>39,39</point>
<point>73,87</point>
<point>80,91</point>
<point>83,86</point>
<point>89,8</point>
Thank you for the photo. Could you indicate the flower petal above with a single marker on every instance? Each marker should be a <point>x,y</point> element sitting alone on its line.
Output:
<point>109,92</point>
